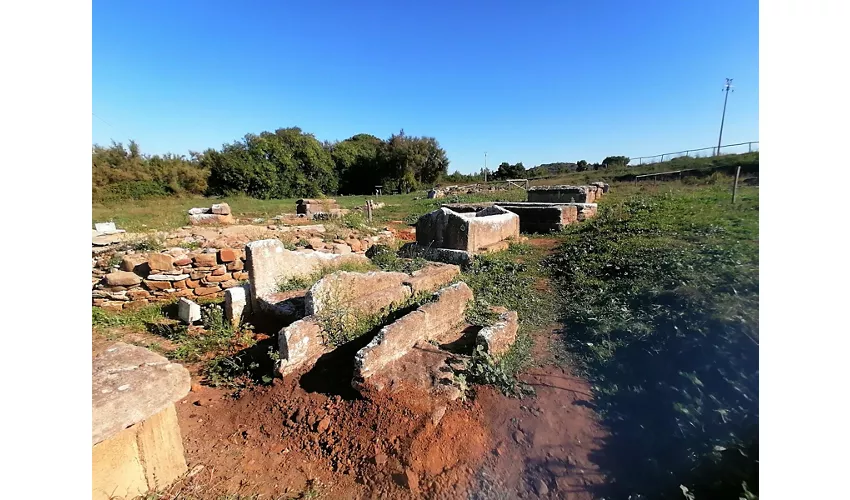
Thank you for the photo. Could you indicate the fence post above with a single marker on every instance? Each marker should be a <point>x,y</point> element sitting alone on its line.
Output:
<point>369,210</point>
<point>749,147</point>
<point>735,187</point>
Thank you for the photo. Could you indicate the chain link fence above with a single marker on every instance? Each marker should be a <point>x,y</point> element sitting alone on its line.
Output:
<point>741,147</point>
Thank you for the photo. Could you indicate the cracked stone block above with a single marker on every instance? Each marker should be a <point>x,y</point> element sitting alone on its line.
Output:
<point>498,338</point>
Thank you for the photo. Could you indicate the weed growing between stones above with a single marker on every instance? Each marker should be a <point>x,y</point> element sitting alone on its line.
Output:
<point>387,259</point>
<point>484,369</point>
<point>479,313</point>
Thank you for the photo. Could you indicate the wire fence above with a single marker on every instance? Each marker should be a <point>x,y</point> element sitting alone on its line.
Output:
<point>741,147</point>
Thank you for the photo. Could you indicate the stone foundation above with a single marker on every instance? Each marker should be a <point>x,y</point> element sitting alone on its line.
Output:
<point>467,230</point>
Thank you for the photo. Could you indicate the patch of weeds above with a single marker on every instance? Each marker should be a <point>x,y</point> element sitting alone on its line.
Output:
<point>479,313</point>
<point>191,245</point>
<point>388,259</point>
<point>313,491</point>
<point>148,244</point>
<point>484,369</point>
<point>137,318</point>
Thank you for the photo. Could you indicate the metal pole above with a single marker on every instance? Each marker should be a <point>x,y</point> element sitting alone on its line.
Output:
<point>735,187</point>
<point>485,167</point>
<point>723,118</point>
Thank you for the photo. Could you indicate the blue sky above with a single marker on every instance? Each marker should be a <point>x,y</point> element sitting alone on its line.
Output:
<point>528,81</point>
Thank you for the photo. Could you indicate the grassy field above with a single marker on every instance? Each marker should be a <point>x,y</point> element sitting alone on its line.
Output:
<point>659,306</point>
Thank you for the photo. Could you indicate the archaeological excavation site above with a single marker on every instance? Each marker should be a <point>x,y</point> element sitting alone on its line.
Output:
<point>377,349</point>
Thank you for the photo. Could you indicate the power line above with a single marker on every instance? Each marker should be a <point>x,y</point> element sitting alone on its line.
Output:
<point>104,121</point>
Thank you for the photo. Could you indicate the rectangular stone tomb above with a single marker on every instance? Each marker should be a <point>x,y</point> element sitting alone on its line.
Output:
<point>538,217</point>
<point>466,229</point>
<point>136,439</point>
<point>564,194</point>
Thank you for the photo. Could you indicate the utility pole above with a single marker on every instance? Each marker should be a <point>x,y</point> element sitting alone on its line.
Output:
<point>485,167</point>
<point>726,88</point>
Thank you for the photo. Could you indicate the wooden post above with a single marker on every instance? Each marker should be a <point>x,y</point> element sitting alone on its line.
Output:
<point>369,210</point>
<point>735,187</point>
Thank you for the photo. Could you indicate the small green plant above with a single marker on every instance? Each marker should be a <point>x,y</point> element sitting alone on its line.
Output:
<point>479,313</point>
<point>483,369</point>
<point>306,281</point>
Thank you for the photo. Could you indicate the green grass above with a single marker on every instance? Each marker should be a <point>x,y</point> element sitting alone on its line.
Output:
<point>658,296</point>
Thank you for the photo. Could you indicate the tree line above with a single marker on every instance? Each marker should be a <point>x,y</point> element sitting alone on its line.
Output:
<point>285,163</point>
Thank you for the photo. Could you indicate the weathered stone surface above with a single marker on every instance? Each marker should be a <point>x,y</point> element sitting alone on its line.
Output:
<point>226,255</point>
<point>445,255</point>
<point>205,259</point>
<point>160,262</point>
<point>236,265</point>
<point>180,285</point>
<point>499,246</point>
<point>236,303</point>
<point>207,290</point>
<point>341,248</point>
<point>269,264</point>
<point>212,278</point>
<point>438,320</point>
<point>425,369</point>
<point>112,306</point>
<point>355,245</point>
<point>229,284</point>
<point>205,219</point>
<point>105,227</point>
<point>134,263</point>
<point>122,278</point>
<point>354,290</point>
<point>220,209</point>
<point>190,283</point>
<point>498,338</point>
<point>167,277</point>
<point>300,344</point>
<point>542,217</point>
<point>431,277</point>
<point>219,271</point>
<point>199,210</point>
<point>240,276</point>
<point>138,294</point>
<point>468,231</point>
<point>188,311</point>
<point>315,243</point>
<point>559,194</point>
<point>130,384</point>
<point>183,261</point>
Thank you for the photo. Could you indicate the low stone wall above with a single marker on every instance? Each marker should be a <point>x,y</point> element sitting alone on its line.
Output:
<point>152,277</point>
<point>469,231</point>
<point>136,442</point>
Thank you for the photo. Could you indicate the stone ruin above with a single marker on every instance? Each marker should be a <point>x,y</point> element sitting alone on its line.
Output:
<point>405,352</point>
<point>458,232</point>
<point>136,441</point>
<point>219,213</point>
<point>568,194</point>
<point>319,209</point>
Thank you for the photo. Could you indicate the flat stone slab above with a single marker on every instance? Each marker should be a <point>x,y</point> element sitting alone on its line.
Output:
<point>168,277</point>
<point>130,384</point>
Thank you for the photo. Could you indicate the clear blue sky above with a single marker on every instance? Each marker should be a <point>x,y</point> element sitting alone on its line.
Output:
<point>526,81</point>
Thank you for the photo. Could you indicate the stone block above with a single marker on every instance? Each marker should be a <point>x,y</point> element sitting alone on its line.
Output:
<point>431,277</point>
<point>105,227</point>
<point>208,219</point>
<point>199,210</point>
<point>188,311</point>
<point>160,262</point>
<point>207,290</point>
<point>205,259</point>
<point>354,290</point>
<point>301,344</point>
<point>220,209</point>
<point>236,303</point>
<point>122,278</point>
<point>559,194</point>
<point>168,277</point>
<point>219,271</point>
<point>212,278</point>
<point>226,255</point>
<point>129,385</point>
<point>498,338</point>
<point>134,263</point>
<point>438,320</point>
<point>236,265</point>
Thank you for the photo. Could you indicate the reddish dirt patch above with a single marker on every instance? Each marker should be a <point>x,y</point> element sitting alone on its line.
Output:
<point>278,440</point>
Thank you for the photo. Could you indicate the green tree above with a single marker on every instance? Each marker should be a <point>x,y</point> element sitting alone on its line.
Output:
<point>508,171</point>
<point>615,161</point>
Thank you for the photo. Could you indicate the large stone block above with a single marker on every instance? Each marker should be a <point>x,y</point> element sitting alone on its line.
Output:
<point>366,292</point>
<point>122,278</point>
<point>206,219</point>
<point>542,217</point>
<point>269,264</point>
<point>498,338</point>
<point>431,277</point>
<point>160,262</point>
<point>220,209</point>
<point>301,344</point>
<point>129,385</point>
<point>145,457</point>
<point>438,320</point>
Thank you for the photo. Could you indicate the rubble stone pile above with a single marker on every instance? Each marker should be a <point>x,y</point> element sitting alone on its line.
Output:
<point>219,213</point>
